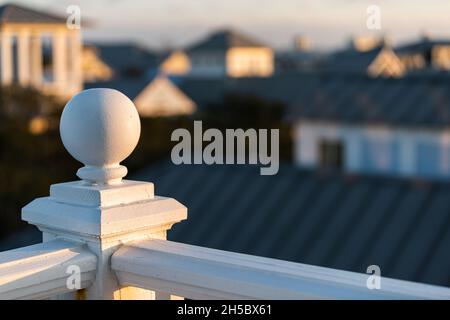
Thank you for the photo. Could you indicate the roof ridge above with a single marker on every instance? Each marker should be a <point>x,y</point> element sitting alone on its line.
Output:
<point>17,13</point>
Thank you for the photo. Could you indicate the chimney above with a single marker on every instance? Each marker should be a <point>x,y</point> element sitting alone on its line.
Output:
<point>302,43</point>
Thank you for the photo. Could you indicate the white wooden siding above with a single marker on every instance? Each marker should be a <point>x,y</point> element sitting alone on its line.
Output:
<point>398,151</point>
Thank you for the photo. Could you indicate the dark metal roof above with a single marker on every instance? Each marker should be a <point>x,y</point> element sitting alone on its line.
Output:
<point>225,39</point>
<point>129,87</point>
<point>329,220</point>
<point>122,57</point>
<point>279,88</point>
<point>12,13</point>
<point>204,92</point>
<point>350,60</point>
<point>412,101</point>
<point>422,46</point>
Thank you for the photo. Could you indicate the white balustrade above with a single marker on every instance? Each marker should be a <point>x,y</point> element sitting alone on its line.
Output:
<point>42,271</point>
<point>114,232</point>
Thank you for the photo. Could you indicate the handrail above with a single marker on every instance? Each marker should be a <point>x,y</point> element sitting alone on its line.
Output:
<point>202,273</point>
<point>41,271</point>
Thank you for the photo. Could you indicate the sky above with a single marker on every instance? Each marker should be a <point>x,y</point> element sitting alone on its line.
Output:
<point>327,23</point>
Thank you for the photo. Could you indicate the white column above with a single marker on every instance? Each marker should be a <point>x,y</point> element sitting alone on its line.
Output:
<point>352,149</point>
<point>36,61</point>
<point>59,55</point>
<point>75,52</point>
<point>306,145</point>
<point>6,58</point>
<point>407,154</point>
<point>23,57</point>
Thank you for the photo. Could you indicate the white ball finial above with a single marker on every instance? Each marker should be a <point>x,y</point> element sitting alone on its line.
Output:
<point>100,128</point>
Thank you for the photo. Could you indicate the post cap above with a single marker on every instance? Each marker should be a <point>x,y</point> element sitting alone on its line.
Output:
<point>100,128</point>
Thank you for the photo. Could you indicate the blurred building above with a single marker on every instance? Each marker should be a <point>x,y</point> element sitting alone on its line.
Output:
<point>379,60</point>
<point>176,63</point>
<point>353,122</point>
<point>397,127</point>
<point>135,71</point>
<point>39,50</point>
<point>94,68</point>
<point>364,43</point>
<point>153,97</point>
<point>300,58</point>
<point>427,54</point>
<point>117,61</point>
<point>376,56</point>
<point>230,53</point>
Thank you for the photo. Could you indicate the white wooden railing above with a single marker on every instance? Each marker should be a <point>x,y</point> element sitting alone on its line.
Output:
<point>40,271</point>
<point>202,273</point>
<point>105,238</point>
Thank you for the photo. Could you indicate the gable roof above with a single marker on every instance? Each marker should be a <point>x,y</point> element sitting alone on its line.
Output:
<point>142,89</point>
<point>122,57</point>
<point>176,63</point>
<point>12,13</point>
<point>329,220</point>
<point>161,97</point>
<point>381,60</point>
<point>223,40</point>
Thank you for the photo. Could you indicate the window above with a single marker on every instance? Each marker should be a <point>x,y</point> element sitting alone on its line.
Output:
<point>433,159</point>
<point>379,155</point>
<point>331,154</point>
<point>428,159</point>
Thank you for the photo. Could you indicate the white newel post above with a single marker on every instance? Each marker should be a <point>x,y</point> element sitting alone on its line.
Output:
<point>100,128</point>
